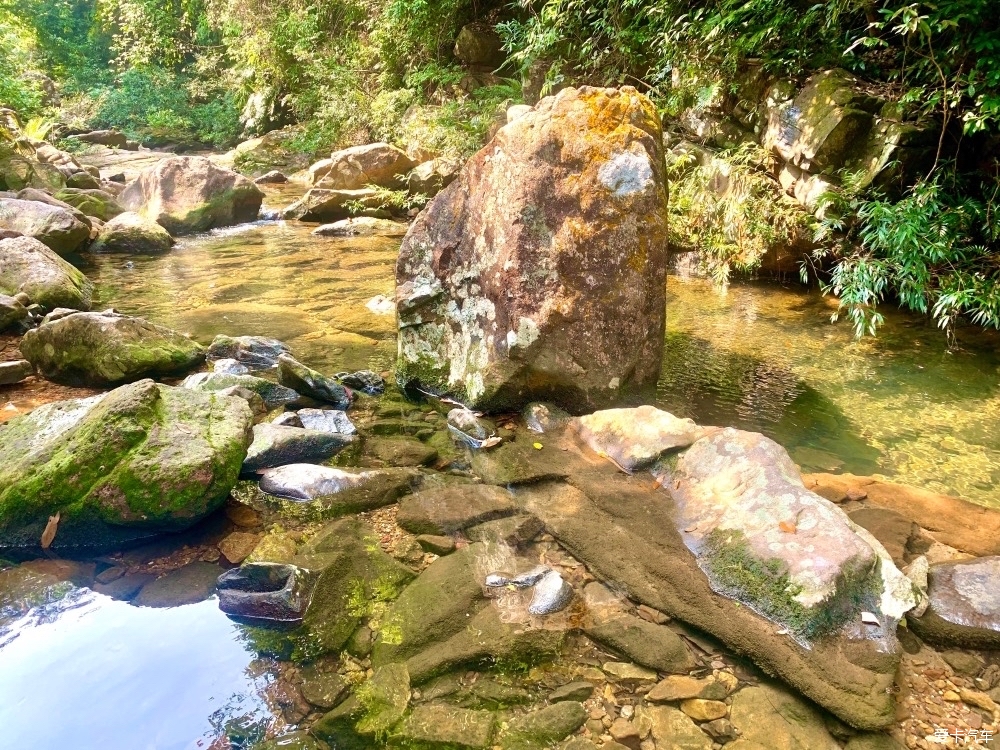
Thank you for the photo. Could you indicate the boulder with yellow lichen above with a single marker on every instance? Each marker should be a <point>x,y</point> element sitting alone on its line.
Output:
<point>540,271</point>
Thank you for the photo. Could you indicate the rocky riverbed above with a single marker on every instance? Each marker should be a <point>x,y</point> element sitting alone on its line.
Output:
<point>403,571</point>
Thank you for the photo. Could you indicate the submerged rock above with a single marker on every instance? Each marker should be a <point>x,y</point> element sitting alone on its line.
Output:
<point>552,285</point>
<point>551,594</point>
<point>544,727</point>
<point>964,605</point>
<point>274,395</point>
<point>542,418</point>
<point>105,348</point>
<point>191,583</point>
<point>27,266</point>
<point>276,445</point>
<point>444,510</point>
<point>265,591</point>
<point>56,228</point>
<point>441,725</point>
<point>131,233</point>
<point>140,460</point>
<point>308,382</point>
<point>337,491</point>
<point>186,194</point>
<point>255,352</point>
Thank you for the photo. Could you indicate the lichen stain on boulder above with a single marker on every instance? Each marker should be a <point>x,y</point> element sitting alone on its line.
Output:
<point>540,272</point>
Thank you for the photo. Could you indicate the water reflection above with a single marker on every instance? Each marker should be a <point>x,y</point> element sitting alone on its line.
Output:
<point>84,671</point>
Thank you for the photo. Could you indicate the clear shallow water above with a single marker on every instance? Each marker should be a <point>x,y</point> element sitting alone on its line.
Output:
<point>90,673</point>
<point>759,356</point>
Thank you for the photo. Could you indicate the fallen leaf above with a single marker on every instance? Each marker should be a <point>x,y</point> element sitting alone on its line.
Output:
<point>537,446</point>
<point>788,527</point>
<point>659,481</point>
<point>49,535</point>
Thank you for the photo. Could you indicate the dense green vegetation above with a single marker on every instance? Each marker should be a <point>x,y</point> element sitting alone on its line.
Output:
<point>212,72</point>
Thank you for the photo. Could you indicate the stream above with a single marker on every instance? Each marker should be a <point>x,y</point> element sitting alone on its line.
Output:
<point>107,674</point>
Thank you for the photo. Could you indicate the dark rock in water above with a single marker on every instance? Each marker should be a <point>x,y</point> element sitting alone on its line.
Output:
<point>308,382</point>
<point>256,352</point>
<point>365,381</point>
<point>892,529</point>
<point>15,371</point>
<point>125,588</point>
<point>323,689</point>
<point>274,395</point>
<point>337,491</point>
<point>519,462</point>
<point>292,741</point>
<point>445,510</point>
<point>400,451</point>
<point>230,366</point>
<point>192,583</point>
<point>964,604</point>
<point>327,420</point>
<point>524,580</point>
<point>105,348</point>
<point>276,445</point>
<point>265,591</point>
<point>654,646</point>
<point>573,691</point>
<point>551,594</point>
<point>141,460</point>
<point>544,727</point>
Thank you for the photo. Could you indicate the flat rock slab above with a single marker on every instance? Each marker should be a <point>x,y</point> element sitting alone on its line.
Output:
<point>543,727</point>
<point>444,725</point>
<point>193,583</point>
<point>333,421</point>
<point>335,492</point>
<point>446,510</point>
<point>626,535</point>
<point>964,605</point>
<point>958,523</point>
<point>518,462</point>
<point>777,719</point>
<point>277,445</point>
<point>672,728</point>
<point>15,372</point>
<point>653,646</point>
<point>400,451</point>
<point>635,438</point>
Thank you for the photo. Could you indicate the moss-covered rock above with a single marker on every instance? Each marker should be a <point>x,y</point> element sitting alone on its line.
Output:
<point>140,460</point>
<point>376,706</point>
<point>186,194</point>
<point>105,348</point>
<point>92,202</point>
<point>131,233</point>
<point>28,266</point>
<point>539,729</point>
<point>271,393</point>
<point>438,726</point>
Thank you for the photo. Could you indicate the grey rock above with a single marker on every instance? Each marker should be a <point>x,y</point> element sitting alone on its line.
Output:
<point>654,646</point>
<point>230,367</point>
<point>573,691</point>
<point>15,371</point>
<point>27,266</point>
<point>365,381</point>
<point>274,395</point>
<point>327,420</point>
<point>56,228</point>
<point>195,582</point>
<point>272,592</point>
<point>274,177</point>
<point>255,352</point>
<point>964,604</point>
<point>551,594</point>
<point>333,492</point>
<point>362,226</point>
<point>543,418</point>
<point>309,382</point>
<point>276,445</point>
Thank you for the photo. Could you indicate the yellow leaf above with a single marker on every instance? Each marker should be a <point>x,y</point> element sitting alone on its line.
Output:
<point>537,446</point>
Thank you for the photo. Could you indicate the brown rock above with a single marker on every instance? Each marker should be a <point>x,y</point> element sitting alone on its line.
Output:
<point>360,166</point>
<point>700,709</point>
<point>540,272</point>
<point>677,688</point>
<point>237,546</point>
<point>626,733</point>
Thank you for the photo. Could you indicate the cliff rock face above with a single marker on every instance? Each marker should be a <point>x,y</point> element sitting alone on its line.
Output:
<point>540,271</point>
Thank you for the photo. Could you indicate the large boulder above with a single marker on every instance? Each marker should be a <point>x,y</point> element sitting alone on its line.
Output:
<point>964,604</point>
<point>132,233</point>
<point>478,44</point>
<point>186,194</point>
<point>541,271</point>
<point>360,166</point>
<point>40,196</point>
<point>28,266</point>
<point>140,460</point>
<point>92,202</point>
<point>105,348</point>
<point>322,204</point>
<point>55,227</point>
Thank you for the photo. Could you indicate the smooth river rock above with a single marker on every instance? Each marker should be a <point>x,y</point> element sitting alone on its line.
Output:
<point>105,348</point>
<point>964,604</point>
<point>540,272</point>
<point>309,382</point>
<point>276,445</point>
<point>186,194</point>
<point>635,438</point>
<point>28,266</point>
<point>335,491</point>
<point>256,352</point>
<point>271,393</point>
<point>132,233</point>
<point>358,167</point>
<point>143,459</point>
<point>54,227</point>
